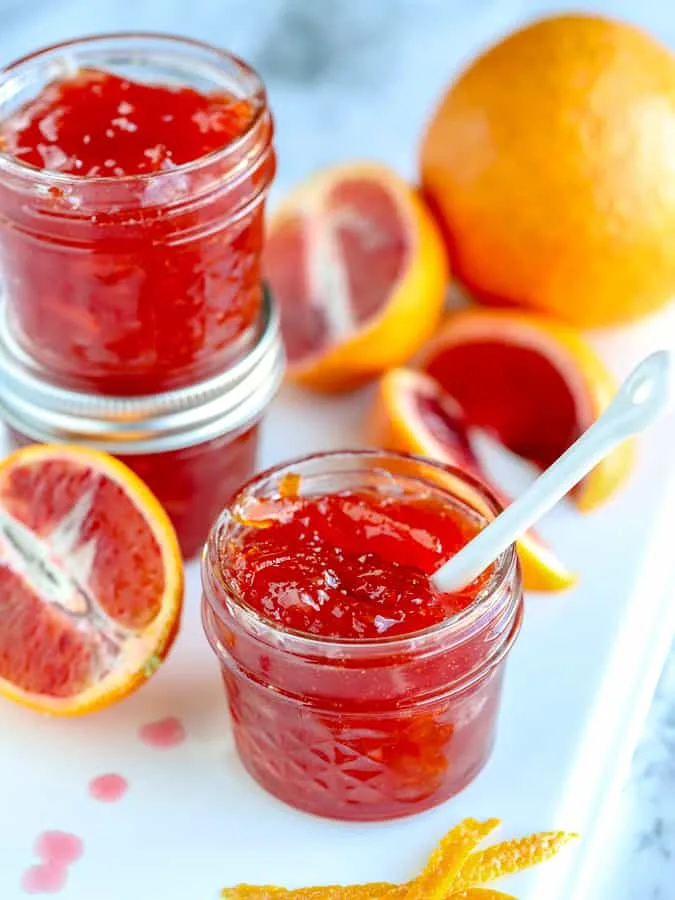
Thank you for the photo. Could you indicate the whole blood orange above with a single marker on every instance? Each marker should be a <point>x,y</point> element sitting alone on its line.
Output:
<point>412,413</point>
<point>359,272</point>
<point>91,580</point>
<point>533,383</point>
<point>550,163</point>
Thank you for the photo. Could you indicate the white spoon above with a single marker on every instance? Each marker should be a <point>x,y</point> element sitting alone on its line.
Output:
<point>639,400</point>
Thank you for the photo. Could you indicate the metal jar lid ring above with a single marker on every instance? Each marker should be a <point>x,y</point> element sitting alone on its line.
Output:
<point>229,402</point>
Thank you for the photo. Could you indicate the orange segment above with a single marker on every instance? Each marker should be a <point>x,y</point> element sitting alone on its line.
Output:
<point>412,413</point>
<point>91,580</point>
<point>534,384</point>
<point>359,272</point>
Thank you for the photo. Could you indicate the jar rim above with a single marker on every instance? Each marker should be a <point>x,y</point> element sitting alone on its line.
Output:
<point>47,178</point>
<point>467,620</point>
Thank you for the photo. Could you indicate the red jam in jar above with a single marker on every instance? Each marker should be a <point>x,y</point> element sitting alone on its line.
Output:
<point>357,689</point>
<point>133,174</point>
<point>193,447</point>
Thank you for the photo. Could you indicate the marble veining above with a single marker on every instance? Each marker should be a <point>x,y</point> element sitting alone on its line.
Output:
<point>357,78</point>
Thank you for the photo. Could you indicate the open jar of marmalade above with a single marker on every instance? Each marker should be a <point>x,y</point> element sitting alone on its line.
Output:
<point>358,690</point>
<point>133,176</point>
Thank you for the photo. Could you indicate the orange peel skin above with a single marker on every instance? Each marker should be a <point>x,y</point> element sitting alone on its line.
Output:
<point>440,873</point>
<point>480,894</point>
<point>382,891</point>
<point>510,857</point>
<point>455,870</point>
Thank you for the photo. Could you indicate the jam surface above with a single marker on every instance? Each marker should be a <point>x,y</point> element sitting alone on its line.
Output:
<point>149,279</point>
<point>100,124</point>
<point>352,565</point>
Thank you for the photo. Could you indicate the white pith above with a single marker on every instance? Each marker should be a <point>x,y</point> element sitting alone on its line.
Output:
<point>410,383</point>
<point>57,567</point>
<point>326,273</point>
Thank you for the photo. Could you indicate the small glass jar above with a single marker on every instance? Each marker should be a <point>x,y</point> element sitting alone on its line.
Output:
<point>136,284</point>
<point>363,730</point>
<point>192,446</point>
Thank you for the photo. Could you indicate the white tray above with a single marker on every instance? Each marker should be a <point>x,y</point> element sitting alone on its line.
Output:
<point>578,685</point>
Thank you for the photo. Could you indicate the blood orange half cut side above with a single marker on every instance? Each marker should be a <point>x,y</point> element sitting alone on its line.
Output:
<point>91,580</point>
<point>412,413</point>
<point>534,384</point>
<point>359,272</point>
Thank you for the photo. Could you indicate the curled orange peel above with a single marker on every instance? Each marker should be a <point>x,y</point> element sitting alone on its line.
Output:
<point>480,894</point>
<point>445,863</point>
<point>510,857</point>
<point>455,870</point>
<point>374,891</point>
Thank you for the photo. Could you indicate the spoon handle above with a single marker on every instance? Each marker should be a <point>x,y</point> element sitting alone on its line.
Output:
<point>640,399</point>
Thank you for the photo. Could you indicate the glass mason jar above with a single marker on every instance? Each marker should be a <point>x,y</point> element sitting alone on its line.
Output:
<point>138,283</point>
<point>355,729</point>
<point>193,447</point>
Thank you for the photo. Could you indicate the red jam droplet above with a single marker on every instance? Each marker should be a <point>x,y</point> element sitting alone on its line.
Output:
<point>352,565</point>
<point>45,878</point>
<point>99,124</point>
<point>59,847</point>
<point>163,734</point>
<point>108,788</point>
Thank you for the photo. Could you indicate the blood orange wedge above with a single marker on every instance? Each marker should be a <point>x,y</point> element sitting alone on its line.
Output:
<point>359,273</point>
<point>413,413</point>
<point>533,383</point>
<point>91,580</point>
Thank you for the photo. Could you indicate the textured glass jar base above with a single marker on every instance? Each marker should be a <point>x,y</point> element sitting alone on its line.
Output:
<point>365,767</point>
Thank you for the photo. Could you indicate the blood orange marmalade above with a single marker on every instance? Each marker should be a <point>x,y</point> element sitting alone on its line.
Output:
<point>131,210</point>
<point>357,689</point>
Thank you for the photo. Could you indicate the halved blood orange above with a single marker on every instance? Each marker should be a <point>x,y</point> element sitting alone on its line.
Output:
<point>359,272</point>
<point>412,413</point>
<point>91,580</point>
<point>533,383</point>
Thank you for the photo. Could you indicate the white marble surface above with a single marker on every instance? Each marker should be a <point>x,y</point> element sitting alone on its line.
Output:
<point>357,78</point>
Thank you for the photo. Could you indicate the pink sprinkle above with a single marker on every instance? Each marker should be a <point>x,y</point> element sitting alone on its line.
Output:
<point>58,847</point>
<point>46,878</point>
<point>163,734</point>
<point>108,788</point>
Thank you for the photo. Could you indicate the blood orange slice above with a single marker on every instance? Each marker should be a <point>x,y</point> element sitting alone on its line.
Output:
<point>534,384</point>
<point>91,580</point>
<point>359,273</point>
<point>412,413</point>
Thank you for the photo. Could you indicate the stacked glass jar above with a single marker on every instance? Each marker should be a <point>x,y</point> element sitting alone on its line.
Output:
<point>134,319</point>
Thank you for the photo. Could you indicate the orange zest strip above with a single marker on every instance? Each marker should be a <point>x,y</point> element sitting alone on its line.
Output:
<point>440,873</point>
<point>375,891</point>
<point>510,857</point>
<point>480,894</point>
<point>289,486</point>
